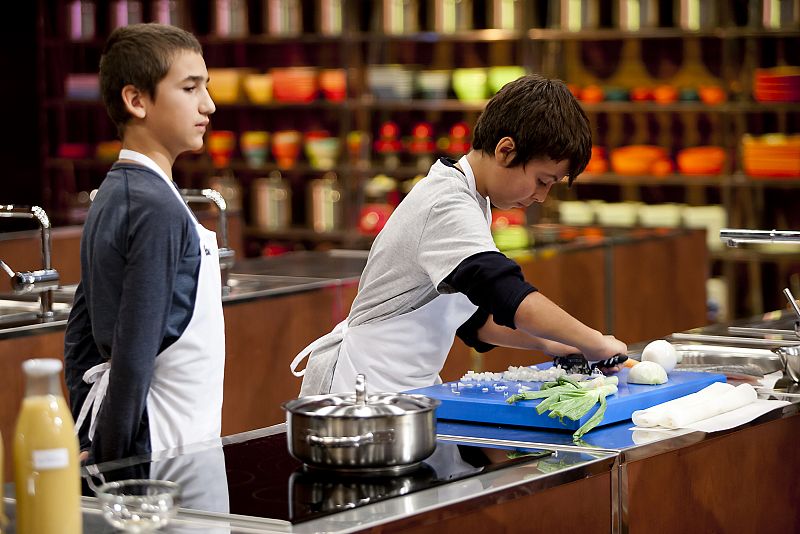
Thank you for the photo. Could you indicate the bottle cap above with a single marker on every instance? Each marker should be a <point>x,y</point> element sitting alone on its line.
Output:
<point>42,366</point>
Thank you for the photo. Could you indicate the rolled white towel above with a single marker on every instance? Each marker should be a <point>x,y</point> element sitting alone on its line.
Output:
<point>653,416</point>
<point>742,395</point>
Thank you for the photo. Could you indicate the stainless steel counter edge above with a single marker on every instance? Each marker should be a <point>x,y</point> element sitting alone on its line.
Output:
<point>587,462</point>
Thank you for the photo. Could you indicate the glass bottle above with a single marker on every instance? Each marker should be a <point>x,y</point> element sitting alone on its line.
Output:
<point>46,466</point>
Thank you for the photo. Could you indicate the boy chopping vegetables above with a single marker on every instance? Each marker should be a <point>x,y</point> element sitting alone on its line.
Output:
<point>434,271</point>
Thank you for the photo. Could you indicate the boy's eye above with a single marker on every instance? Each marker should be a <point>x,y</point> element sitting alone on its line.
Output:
<point>190,89</point>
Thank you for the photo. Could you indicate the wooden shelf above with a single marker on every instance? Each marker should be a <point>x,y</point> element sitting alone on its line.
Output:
<point>612,34</point>
<point>451,104</point>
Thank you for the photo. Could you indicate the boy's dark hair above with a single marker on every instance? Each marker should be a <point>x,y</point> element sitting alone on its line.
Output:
<point>139,55</point>
<point>543,119</point>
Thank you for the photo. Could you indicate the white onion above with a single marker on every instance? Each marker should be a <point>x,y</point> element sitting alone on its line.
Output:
<point>649,373</point>
<point>661,352</point>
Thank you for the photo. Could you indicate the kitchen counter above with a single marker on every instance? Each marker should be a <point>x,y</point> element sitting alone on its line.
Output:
<point>736,480</point>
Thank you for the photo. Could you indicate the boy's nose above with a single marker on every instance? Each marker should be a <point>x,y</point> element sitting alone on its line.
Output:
<point>207,107</point>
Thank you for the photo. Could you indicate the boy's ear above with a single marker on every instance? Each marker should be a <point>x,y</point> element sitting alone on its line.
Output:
<point>505,151</point>
<point>134,101</point>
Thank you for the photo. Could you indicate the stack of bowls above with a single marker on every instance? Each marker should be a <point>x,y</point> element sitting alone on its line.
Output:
<point>499,76</point>
<point>255,147</point>
<point>294,84</point>
<point>286,147</point>
<point>701,160</point>
<point>224,85</point>
<point>660,215</point>
<point>470,85</point>
<point>771,156</point>
<point>621,214</point>
<point>637,160</point>
<point>711,218</point>
<point>390,82</point>
<point>220,146</point>
<point>433,84</point>
<point>258,88</point>
<point>333,83</point>
<point>781,84</point>
<point>322,150</point>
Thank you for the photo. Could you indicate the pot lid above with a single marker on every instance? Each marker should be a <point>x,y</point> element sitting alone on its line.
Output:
<point>359,404</point>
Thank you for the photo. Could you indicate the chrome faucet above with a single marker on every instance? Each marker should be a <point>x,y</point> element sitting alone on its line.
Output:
<point>226,254</point>
<point>733,237</point>
<point>41,281</point>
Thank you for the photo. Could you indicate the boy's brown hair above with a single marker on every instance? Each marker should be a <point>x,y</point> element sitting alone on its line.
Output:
<point>542,117</point>
<point>139,55</point>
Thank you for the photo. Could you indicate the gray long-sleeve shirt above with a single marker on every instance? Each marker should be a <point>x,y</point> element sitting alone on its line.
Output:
<point>140,261</point>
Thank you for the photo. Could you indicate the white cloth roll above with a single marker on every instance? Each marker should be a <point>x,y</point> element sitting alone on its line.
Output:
<point>742,395</point>
<point>653,416</point>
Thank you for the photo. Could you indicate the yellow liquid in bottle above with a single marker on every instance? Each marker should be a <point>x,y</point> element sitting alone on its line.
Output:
<point>46,469</point>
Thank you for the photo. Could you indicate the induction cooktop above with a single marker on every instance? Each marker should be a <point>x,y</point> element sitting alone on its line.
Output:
<point>259,478</point>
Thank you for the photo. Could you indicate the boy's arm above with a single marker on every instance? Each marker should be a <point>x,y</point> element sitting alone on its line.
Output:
<point>80,355</point>
<point>502,336</point>
<point>540,317</point>
<point>156,239</point>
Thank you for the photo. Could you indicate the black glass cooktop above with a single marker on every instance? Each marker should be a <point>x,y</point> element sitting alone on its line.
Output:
<point>263,480</point>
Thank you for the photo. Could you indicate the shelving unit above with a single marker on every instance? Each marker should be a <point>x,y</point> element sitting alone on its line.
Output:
<point>362,43</point>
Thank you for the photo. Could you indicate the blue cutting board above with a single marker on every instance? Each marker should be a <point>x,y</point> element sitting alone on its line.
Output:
<point>475,405</point>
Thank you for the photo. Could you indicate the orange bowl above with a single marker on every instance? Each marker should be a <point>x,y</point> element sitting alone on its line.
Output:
<point>712,94</point>
<point>636,159</point>
<point>665,94</point>
<point>701,160</point>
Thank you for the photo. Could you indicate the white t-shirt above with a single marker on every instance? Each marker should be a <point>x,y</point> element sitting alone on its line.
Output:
<point>438,225</point>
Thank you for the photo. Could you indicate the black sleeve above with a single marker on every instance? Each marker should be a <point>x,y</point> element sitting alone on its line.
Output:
<point>156,238</point>
<point>468,332</point>
<point>492,282</point>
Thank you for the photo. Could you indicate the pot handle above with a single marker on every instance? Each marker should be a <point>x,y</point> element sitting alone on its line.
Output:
<point>383,436</point>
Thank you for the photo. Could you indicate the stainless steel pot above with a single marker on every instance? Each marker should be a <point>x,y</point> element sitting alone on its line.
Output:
<point>383,432</point>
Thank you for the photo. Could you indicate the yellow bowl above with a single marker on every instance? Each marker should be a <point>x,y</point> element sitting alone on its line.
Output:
<point>258,88</point>
<point>223,85</point>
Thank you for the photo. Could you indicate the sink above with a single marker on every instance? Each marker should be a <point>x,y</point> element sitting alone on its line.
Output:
<point>22,314</point>
<point>252,285</point>
<point>735,362</point>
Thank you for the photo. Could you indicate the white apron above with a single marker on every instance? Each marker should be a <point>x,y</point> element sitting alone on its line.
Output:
<point>184,404</point>
<point>394,354</point>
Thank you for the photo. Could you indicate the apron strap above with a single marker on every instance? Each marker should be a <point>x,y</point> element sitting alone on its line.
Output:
<point>338,331</point>
<point>97,376</point>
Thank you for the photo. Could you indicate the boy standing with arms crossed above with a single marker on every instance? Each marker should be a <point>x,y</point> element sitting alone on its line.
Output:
<point>145,341</point>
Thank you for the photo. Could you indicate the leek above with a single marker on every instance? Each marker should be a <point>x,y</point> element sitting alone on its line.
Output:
<point>573,400</point>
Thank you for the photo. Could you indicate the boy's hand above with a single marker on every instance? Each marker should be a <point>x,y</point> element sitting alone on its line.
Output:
<point>606,347</point>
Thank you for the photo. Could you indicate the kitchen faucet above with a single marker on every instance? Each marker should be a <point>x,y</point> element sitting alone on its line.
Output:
<point>226,254</point>
<point>733,237</point>
<point>41,281</point>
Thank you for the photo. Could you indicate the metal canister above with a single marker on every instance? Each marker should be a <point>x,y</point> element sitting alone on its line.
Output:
<point>780,14</point>
<point>574,15</point>
<point>632,15</point>
<point>400,16</point>
<point>284,17</point>
<point>450,16</point>
<point>505,14</point>
<point>696,14</point>
<point>81,20</point>
<point>271,203</point>
<point>325,203</point>
<point>125,12</point>
<point>171,12</point>
<point>330,17</point>
<point>230,18</point>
